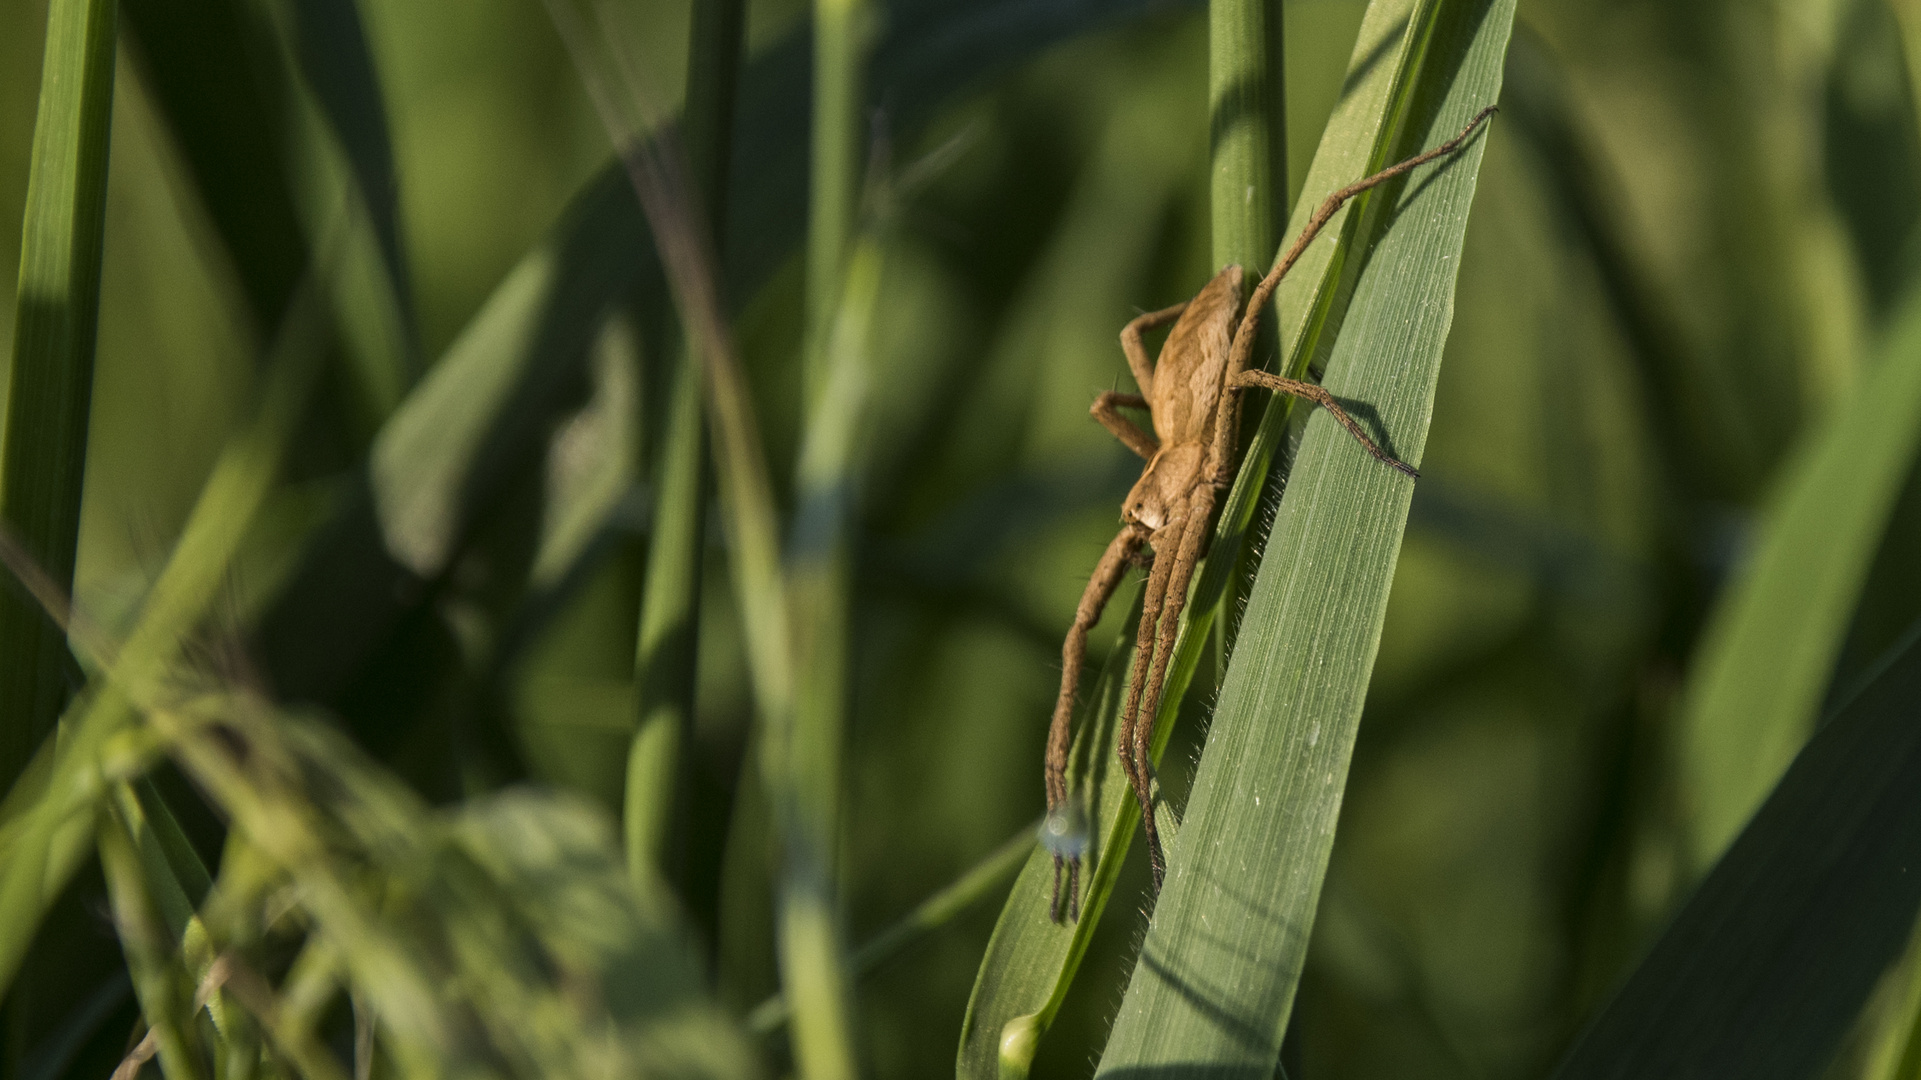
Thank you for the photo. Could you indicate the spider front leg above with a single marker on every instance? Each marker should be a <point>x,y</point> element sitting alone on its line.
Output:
<point>1062,834</point>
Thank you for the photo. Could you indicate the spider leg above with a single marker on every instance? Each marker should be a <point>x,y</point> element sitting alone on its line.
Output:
<point>1243,349</point>
<point>1194,537</point>
<point>1131,749</point>
<point>1106,578</point>
<point>1319,396</point>
<point>1106,410</point>
<point>1136,349</point>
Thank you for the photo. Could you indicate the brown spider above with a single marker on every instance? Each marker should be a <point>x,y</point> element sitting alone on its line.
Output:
<point>1193,396</point>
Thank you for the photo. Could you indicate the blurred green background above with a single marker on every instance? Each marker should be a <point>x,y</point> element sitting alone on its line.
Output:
<point>1693,222</point>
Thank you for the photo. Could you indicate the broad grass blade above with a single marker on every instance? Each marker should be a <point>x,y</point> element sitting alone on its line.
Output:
<point>1770,648</point>
<point>1215,982</point>
<point>1768,963</point>
<point>51,379</point>
<point>1029,965</point>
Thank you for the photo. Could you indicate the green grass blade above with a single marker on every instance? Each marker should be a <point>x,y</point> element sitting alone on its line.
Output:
<point>280,118</point>
<point>1770,648</point>
<point>338,63</point>
<point>1030,964</point>
<point>1247,109</point>
<point>804,763</point>
<point>1767,965</point>
<point>1223,955</point>
<point>45,453</point>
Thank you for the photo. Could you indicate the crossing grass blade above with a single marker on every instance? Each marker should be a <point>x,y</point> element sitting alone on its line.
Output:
<point>1215,982</point>
<point>1769,962</point>
<point>1770,649</point>
<point>45,825</point>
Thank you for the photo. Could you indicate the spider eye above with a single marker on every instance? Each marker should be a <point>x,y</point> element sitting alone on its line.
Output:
<point>1064,831</point>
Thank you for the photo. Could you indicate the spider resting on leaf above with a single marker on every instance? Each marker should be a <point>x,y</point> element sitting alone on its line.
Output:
<point>1193,395</point>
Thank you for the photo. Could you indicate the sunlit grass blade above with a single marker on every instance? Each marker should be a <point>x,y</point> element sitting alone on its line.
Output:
<point>1768,654</point>
<point>1215,981</point>
<point>1029,965</point>
<point>1768,963</point>
<point>45,454</point>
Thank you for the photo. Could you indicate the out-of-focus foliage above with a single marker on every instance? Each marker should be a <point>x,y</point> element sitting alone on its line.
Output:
<point>1694,229</point>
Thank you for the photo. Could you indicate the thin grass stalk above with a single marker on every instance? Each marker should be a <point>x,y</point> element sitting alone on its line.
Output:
<point>843,279</point>
<point>982,880</point>
<point>666,660</point>
<point>45,453</point>
<point>159,981</point>
<point>1247,130</point>
<point>834,179</point>
<point>815,969</point>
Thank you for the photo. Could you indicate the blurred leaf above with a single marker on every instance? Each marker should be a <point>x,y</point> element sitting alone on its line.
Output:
<point>1687,415</point>
<point>47,822</point>
<point>1769,651</point>
<point>228,117</point>
<point>503,940</point>
<point>1873,149</point>
<point>479,419</point>
<point>339,69</point>
<point>1215,981</point>
<point>229,74</point>
<point>1766,966</point>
